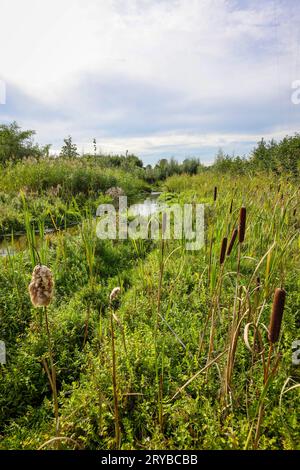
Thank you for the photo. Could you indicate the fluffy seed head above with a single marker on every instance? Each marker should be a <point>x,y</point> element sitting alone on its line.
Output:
<point>114,293</point>
<point>242,224</point>
<point>276,316</point>
<point>41,286</point>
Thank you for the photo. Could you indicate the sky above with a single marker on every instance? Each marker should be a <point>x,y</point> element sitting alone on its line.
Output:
<point>159,78</point>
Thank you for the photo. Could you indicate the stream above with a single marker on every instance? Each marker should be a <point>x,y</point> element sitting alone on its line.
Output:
<point>144,208</point>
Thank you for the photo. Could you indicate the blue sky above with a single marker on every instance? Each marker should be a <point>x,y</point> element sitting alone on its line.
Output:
<point>157,78</point>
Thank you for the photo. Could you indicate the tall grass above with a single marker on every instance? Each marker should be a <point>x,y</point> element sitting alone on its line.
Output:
<point>197,354</point>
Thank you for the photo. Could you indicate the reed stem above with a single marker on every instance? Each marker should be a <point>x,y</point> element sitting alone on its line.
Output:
<point>53,374</point>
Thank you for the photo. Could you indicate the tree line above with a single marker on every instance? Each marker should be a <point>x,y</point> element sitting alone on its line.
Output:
<point>281,157</point>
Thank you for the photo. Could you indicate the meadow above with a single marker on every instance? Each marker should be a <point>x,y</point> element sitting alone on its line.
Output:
<point>182,355</point>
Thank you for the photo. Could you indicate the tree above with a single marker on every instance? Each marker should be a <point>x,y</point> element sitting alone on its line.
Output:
<point>278,157</point>
<point>95,146</point>
<point>15,144</point>
<point>69,150</point>
<point>190,166</point>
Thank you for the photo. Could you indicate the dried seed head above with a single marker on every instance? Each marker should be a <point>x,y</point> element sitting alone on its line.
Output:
<point>232,241</point>
<point>277,313</point>
<point>215,193</point>
<point>242,224</point>
<point>231,206</point>
<point>41,286</point>
<point>114,293</point>
<point>258,283</point>
<point>223,250</point>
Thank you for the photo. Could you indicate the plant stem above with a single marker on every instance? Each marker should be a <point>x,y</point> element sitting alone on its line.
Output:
<point>53,374</point>
<point>114,381</point>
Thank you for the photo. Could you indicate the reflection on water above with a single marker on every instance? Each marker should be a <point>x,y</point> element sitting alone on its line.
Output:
<point>148,207</point>
<point>9,247</point>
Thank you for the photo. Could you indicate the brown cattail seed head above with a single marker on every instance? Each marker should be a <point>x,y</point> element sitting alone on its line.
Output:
<point>114,293</point>
<point>258,283</point>
<point>277,313</point>
<point>232,241</point>
<point>215,193</point>
<point>41,286</point>
<point>242,225</point>
<point>231,206</point>
<point>223,250</point>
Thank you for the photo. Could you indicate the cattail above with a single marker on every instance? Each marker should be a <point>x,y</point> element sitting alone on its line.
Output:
<point>242,225</point>
<point>114,294</point>
<point>294,212</point>
<point>258,283</point>
<point>41,286</point>
<point>232,241</point>
<point>215,193</point>
<point>277,313</point>
<point>231,206</point>
<point>223,250</point>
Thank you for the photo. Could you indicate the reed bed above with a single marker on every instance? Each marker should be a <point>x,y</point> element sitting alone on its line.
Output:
<point>195,353</point>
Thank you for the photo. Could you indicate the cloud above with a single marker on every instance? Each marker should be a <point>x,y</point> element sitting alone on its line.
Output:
<point>157,77</point>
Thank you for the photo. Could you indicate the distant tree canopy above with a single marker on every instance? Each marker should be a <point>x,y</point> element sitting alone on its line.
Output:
<point>229,164</point>
<point>69,150</point>
<point>281,157</point>
<point>125,162</point>
<point>165,168</point>
<point>15,144</point>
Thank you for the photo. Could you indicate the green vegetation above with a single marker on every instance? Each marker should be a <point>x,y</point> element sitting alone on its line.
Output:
<point>57,190</point>
<point>180,358</point>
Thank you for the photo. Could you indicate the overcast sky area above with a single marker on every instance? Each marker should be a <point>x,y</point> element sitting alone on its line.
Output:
<point>160,78</point>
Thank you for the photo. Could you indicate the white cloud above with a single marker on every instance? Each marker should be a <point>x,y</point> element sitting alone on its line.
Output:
<point>203,50</point>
